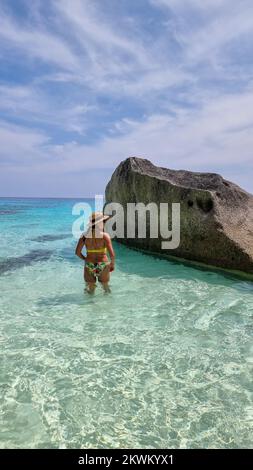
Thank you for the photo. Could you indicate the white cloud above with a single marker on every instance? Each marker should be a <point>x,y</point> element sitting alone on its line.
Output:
<point>89,50</point>
<point>202,5</point>
<point>219,22</point>
<point>36,43</point>
<point>30,104</point>
<point>20,146</point>
<point>219,134</point>
<point>220,32</point>
<point>173,95</point>
<point>90,27</point>
<point>121,62</point>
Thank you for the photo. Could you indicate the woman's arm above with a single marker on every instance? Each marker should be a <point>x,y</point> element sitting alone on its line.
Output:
<point>108,243</point>
<point>79,248</point>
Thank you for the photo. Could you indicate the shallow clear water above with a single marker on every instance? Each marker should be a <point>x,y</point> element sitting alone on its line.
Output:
<point>164,361</point>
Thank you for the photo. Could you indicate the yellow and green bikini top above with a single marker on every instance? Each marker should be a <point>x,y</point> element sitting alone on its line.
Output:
<point>98,250</point>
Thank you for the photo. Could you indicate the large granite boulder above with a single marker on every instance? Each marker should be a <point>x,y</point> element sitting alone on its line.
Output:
<point>216,214</point>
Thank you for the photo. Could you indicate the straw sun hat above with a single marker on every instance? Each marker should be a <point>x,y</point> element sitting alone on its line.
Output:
<point>97,217</point>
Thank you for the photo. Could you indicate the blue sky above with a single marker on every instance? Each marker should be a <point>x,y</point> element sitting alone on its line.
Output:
<point>85,84</point>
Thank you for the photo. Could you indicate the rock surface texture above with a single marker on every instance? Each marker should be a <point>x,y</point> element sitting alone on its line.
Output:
<point>216,214</point>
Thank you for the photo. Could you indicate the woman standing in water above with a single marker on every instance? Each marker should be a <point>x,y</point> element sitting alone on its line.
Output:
<point>97,242</point>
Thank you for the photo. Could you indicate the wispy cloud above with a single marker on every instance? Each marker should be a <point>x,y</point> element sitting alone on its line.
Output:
<point>86,83</point>
<point>90,27</point>
<point>31,105</point>
<point>20,146</point>
<point>205,27</point>
<point>220,133</point>
<point>36,44</point>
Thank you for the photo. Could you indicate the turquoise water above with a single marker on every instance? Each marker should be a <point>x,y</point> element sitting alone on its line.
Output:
<point>164,361</point>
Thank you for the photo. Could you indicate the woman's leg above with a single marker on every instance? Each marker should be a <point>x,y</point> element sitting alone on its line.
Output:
<point>104,278</point>
<point>90,281</point>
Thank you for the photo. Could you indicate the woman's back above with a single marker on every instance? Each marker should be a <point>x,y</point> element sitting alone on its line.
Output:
<point>95,246</point>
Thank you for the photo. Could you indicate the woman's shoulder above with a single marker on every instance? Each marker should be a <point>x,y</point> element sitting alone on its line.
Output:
<point>83,236</point>
<point>106,236</point>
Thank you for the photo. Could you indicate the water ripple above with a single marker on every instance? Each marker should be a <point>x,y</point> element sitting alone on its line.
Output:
<point>165,361</point>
